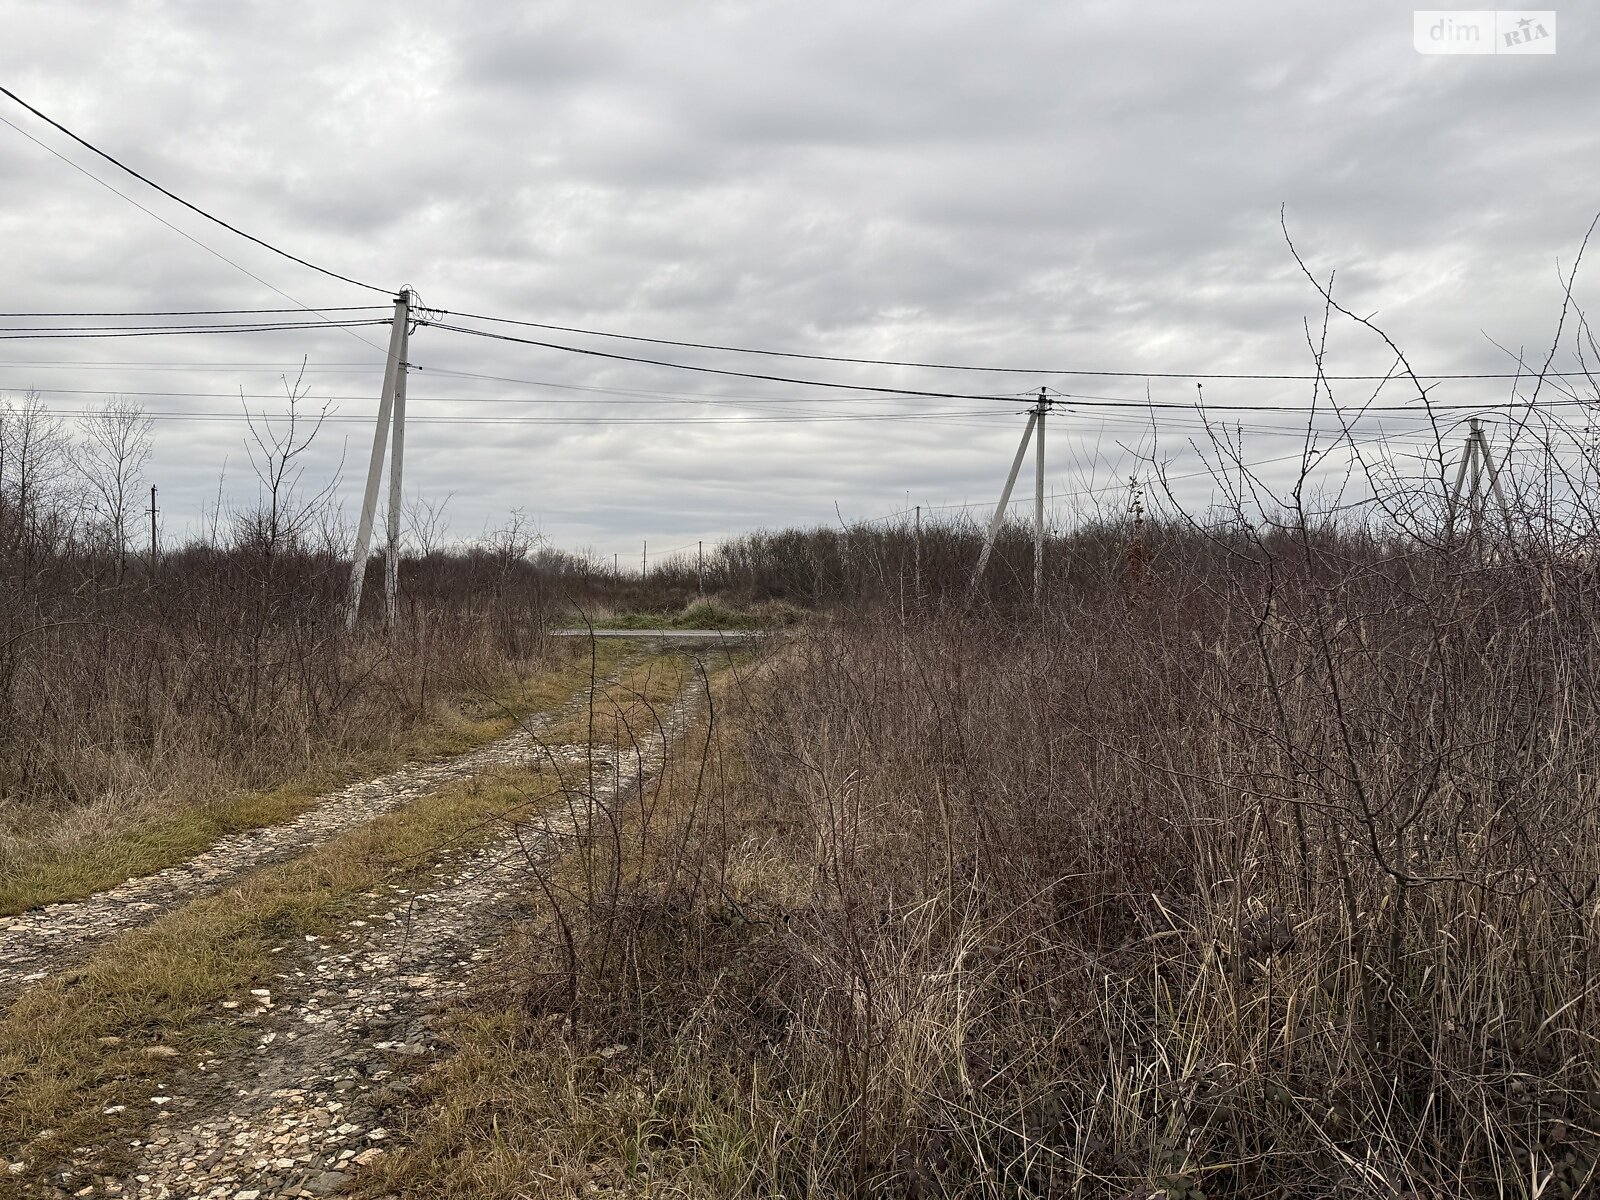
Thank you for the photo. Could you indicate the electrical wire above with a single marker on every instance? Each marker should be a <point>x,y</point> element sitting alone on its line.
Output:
<point>937,366</point>
<point>723,403</point>
<point>1354,410</point>
<point>200,312</point>
<point>183,233</point>
<point>194,208</point>
<point>160,415</point>
<point>191,326</point>
<point>654,362</point>
<point>886,391</point>
<point>275,368</point>
<point>175,331</point>
<point>1094,491</point>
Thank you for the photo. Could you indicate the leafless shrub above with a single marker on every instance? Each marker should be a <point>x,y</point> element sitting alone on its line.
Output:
<point>1273,872</point>
<point>114,452</point>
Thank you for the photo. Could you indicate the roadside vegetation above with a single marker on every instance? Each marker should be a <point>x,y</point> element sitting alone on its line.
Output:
<point>1260,858</point>
<point>82,1054</point>
<point>1267,870</point>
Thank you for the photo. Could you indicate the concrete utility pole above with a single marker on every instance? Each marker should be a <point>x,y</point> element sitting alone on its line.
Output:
<point>391,558</point>
<point>154,548</point>
<point>644,558</point>
<point>1038,503</point>
<point>380,436</point>
<point>1475,461</point>
<point>1035,419</point>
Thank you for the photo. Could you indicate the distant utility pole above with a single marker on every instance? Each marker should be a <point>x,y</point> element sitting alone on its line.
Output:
<point>1035,421</point>
<point>154,547</point>
<point>644,559</point>
<point>700,568</point>
<point>1038,503</point>
<point>616,571</point>
<point>394,368</point>
<point>1475,460</point>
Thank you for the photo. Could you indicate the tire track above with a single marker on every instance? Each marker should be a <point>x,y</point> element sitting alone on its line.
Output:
<point>43,941</point>
<point>302,1109</point>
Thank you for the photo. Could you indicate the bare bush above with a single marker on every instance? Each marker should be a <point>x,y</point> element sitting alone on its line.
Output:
<point>111,460</point>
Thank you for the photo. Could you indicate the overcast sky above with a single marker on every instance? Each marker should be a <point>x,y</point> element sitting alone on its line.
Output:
<point>1093,186</point>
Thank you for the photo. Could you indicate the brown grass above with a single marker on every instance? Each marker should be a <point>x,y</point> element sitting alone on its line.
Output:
<point>1277,880</point>
<point>57,853</point>
<point>163,984</point>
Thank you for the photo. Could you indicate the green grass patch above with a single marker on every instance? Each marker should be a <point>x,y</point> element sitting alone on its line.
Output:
<point>703,615</point>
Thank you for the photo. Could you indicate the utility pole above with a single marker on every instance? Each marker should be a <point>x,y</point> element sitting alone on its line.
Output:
<point>391,557</point>
<point>644,559</point>
<point>700,568</point>
<point>154,547</point>
<point>616,571</point>
<point>1475,462</point>
<point>380,436</point>
<point>1034,417</point>
<point>1038,503</point>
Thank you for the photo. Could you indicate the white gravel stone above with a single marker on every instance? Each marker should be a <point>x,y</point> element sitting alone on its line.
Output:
<point>36,944</point>
<point>264,1119</point>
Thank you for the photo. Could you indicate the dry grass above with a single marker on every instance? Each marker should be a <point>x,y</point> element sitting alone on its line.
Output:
<point>162,985</point>
<point>628,706</point>
<point>48,855</point>
<point>1278,880</point>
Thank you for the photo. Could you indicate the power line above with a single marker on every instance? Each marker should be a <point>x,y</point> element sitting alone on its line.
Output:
<point>1016,398</point>
<point>310,417</point>
<point>611,391</point>
<point>895,391</point>
<point>200,312</point>
<point>677,366</point>
<point>175,331</point>
<point>937,366</point>
<point>1352,411</point>
<point>317,397</point>
<point>1193,422</point>
<point>183,233</point>
<point>1121,486</point>
<point>188,326</point>
<point>194,208</point>
<point>278,368</point>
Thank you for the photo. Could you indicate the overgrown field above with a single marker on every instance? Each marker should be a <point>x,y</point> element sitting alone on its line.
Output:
<point>1267,868</point>
<point>139,721</point>
<point>1260,859</point>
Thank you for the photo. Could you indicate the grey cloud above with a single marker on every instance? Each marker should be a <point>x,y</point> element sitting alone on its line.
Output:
<point>1092,185</point>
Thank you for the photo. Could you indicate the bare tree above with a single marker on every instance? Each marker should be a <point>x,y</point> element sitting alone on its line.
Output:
<point>426,523</point>
<point>115,450</point>
<point>283,514</point>
<point>33,463</point>
<point>512,542</point>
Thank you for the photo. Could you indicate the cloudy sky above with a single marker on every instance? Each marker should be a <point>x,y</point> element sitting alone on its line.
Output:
<point>1061,186</point>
